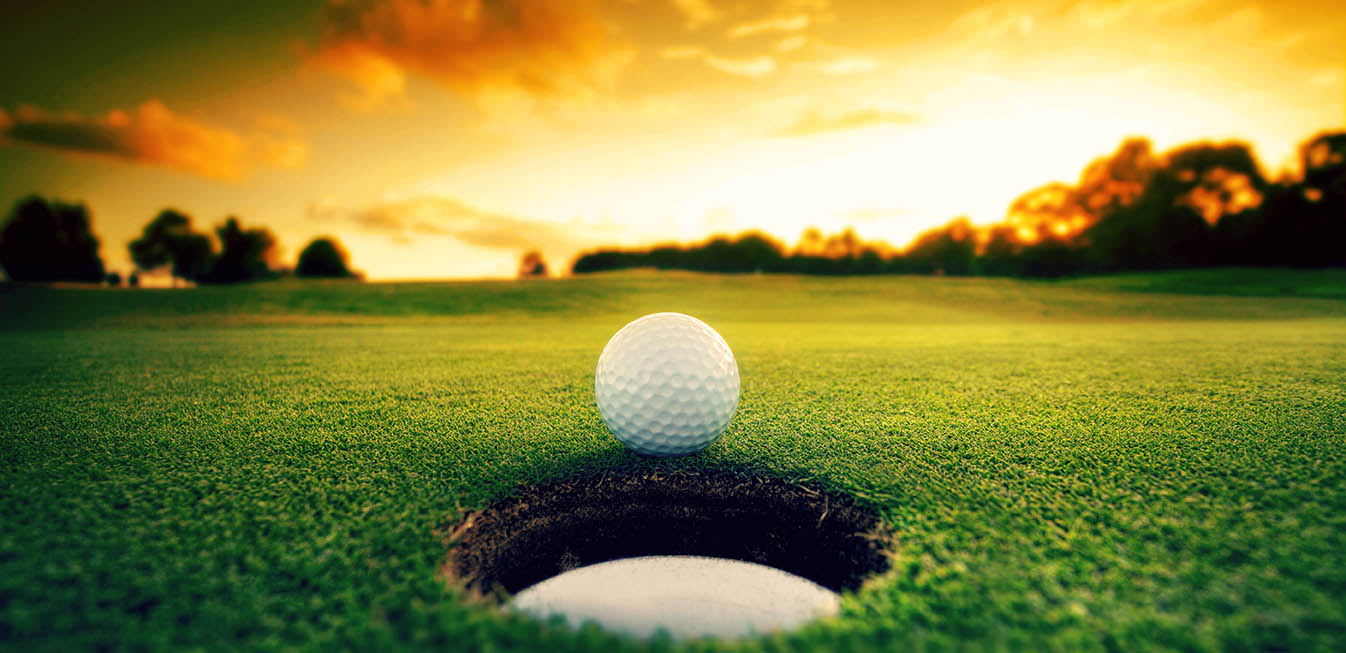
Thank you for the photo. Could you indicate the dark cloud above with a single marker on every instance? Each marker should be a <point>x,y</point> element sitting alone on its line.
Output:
<point>543,48</point>
<point>152,134</point>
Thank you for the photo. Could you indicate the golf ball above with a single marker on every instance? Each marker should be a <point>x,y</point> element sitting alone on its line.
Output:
<point>666,385</point>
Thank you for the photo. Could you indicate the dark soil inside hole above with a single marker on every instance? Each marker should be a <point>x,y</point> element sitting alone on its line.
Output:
<point>546,530</point>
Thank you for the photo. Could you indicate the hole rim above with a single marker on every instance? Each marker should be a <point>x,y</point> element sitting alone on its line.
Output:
<point>541,531</point>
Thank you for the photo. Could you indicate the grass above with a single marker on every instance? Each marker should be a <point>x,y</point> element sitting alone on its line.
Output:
<point>1148,462</point>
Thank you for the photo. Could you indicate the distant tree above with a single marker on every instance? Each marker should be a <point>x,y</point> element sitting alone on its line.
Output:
<point>870,261</point>
<point>133,280</point>
<point>950,249</point>
<point>169,240</point>
<point>1197,204</point>
<point>1214,180</point>
<point>324,257</point>
<point>1314,211</point>
<point>1172,222</point>
<point>749,252</point>
<point>1054,210</point>
<point>114,279</point>
<point>49,241</point>
<point>598,261</point>
<point>1301,220</point>
<point>843,245</point>
<point>811,243</point>
<point>245,254</point>
<point>532,266</point>
<point>1323,160</point>
<point>1051,257</point>
<point>1000,255</point>
<point>1115,181</point>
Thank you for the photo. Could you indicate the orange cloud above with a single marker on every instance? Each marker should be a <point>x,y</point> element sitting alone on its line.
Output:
<point>541,48</point>
<point>774,24</point>
<point>434,215</point>
<point>697,12</point>
<point>759,66</point>
<point>153,134</point>
<point>817,122</point>
<point>848,66</point>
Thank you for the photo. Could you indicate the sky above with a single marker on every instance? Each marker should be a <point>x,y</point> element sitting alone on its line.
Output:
<point>444,138</point>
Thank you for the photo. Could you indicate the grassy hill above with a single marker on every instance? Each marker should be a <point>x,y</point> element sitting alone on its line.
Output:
<point>1140,462</point>
<point>1191,294</point>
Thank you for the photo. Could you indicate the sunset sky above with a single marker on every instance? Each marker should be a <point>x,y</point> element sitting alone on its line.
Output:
<point>442,138</point>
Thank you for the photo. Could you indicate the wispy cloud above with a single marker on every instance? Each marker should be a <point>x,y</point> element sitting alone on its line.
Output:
<point>537,48</point>
<point>991,23</point>
<point>154,134</point>
<point>279,142</point>
<point>817,121</point>
<point>1328,77</point>
<point>697,12</point>
<point>792,23</point>
<point>792,43</point>
<point>683,52</point>
<point>995,21</point>
<point>758,66</point>
<point>1239,23</point>
<point>437,215</point>
<point>854,65</point>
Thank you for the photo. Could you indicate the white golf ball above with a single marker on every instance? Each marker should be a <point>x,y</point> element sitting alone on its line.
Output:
<point>666,385</point>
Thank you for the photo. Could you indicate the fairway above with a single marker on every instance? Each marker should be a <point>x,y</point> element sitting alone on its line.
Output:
<point>1123,463</point>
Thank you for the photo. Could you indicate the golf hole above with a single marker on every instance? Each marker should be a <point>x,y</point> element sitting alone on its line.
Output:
<point>693,554</point>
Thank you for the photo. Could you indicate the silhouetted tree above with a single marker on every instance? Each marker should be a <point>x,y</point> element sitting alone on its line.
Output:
<point>324,257</point>
<point>811,243</point>
<point>1323,160</point>
<point>1000,255</point>
<point>1215,180</point>
<point>49,241</point>
<point>1306,220</point>
<point>1170,224</point>
<point>950,249</point>
<point>245,254</point>
<point>1054,210</point>
<point>169,239</point>
<point>749,252</point>
<point>1112,182</point>
<point>599,261</point>
<point>870,261</point>
<point>1301,220</point>
<point>532,265</point>
<point>1197,204</point>
<point>114,279</point>
<point>1050,257</point>
<point>133,280</point>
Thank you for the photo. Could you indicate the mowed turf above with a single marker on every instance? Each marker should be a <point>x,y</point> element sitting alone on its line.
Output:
<point>1129,463</point>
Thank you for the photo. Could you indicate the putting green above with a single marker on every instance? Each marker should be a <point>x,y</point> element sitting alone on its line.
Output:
<point>1130,463</point>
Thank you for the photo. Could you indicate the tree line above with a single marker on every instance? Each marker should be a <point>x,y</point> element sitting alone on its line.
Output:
<point>1199,204</point>
<point>1195,205</point>
<point>46,240</point>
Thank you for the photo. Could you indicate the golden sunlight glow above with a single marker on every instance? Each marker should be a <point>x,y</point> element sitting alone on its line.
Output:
<point>446,138</point>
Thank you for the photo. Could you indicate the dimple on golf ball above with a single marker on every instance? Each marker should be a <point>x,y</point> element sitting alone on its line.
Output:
<point>666,385</point>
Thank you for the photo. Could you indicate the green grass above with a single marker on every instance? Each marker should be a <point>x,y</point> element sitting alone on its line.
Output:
<point>1077,465</point>
<point>1250,282</point>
